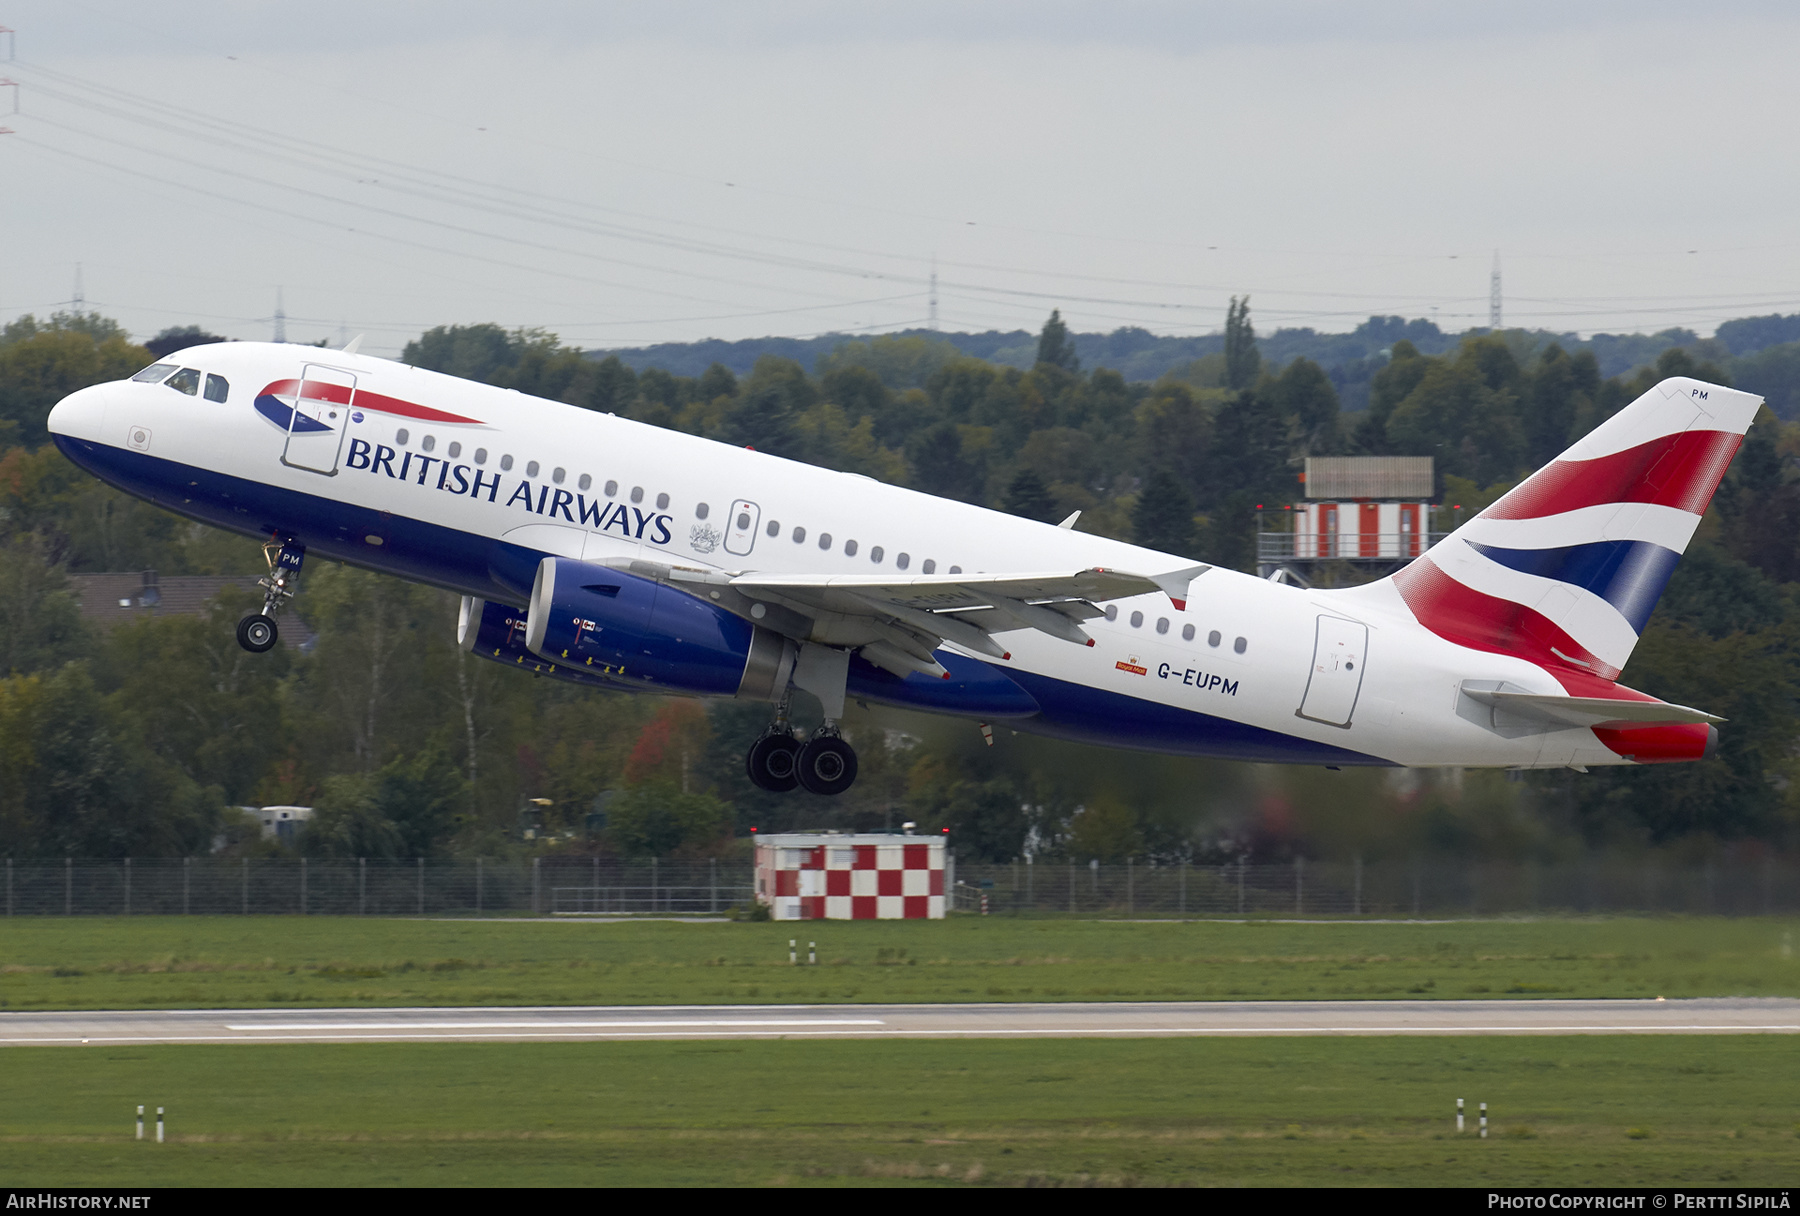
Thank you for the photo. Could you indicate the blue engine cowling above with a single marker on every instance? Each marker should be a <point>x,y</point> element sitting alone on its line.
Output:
<point>633,632</point>
<point>497,632</point>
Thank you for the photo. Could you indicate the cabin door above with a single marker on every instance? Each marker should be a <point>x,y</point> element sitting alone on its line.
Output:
<point>1337,671</point>
<point>321,416</point>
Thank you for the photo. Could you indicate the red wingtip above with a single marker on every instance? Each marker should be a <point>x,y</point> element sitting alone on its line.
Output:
<point>1180,605</point>
<point>946,675</point>
<point>1090,641</point>
<point>1007,655</point>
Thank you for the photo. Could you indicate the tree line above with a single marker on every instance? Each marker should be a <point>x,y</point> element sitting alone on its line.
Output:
<point>141,741</point>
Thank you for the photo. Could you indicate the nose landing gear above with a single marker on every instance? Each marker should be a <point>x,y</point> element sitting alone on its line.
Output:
<point>258,632</point>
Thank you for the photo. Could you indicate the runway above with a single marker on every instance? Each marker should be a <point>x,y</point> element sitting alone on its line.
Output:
<point>1236,1019</point>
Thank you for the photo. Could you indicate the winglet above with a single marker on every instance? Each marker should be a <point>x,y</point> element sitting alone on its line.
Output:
<point>351,347</point>
<point>1069,522</point>
<point>1174,584</point>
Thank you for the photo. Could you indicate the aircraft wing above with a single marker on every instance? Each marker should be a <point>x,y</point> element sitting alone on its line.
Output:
<point>963,609</point>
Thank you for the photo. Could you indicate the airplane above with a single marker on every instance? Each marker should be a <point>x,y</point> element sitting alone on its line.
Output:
<point>619,555</point>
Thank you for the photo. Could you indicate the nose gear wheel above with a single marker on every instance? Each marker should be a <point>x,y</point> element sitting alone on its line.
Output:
<point>258,632</point>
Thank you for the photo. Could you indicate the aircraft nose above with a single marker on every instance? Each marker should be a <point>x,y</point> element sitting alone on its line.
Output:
<point>82,414</point>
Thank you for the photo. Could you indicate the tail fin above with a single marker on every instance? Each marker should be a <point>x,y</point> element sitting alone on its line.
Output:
<point>1566,568</point>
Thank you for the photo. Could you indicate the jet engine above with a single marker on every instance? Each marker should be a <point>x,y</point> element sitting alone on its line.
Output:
<point>496,632</point>
<point>634,632</point>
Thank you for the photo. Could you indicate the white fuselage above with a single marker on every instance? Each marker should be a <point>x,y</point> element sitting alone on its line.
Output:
<point>559,480</point>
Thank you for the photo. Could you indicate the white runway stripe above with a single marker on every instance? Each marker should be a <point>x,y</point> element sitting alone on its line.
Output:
<point>550,1024</point>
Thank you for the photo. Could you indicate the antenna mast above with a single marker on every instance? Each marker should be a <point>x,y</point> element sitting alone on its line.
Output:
<point>1494,294</point>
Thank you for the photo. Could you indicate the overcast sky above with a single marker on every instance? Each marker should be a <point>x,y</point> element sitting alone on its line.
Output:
<point>625,174</point>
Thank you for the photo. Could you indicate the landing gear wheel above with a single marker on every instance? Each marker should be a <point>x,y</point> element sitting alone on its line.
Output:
<point>772,763</point>
<point>827,765</point>
<point>257,633</point>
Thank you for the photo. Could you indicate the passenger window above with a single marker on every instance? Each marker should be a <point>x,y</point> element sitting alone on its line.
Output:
<point>824,540</point>
<point>774,528</point>
<point>875,554</point>
<point>455,450</point>
<point>1112,612</point>
<point>429,443</point>
<point>505,461</point>
<point>187,380</point>
<point>217,388</point>
<point>1240,645</point>
<point>1212,639</point>
<point>612,489</point>
<point>637,493</point>
<point>956,569</point>
<point>799,535</point>
<point>1162,624</point>
<point>700,512</point>
<point>586,482</point>
<point>402,435</point>
<point>480,455</point>
<point>903,561</point>
<point>155,373</point>
<point>557,476</point>
<point>662,502</point>
<point>1137,619</point>
<point>1187,633</point>
<point>930,566</point>
<point>849,548</point>
<point>531,468</point>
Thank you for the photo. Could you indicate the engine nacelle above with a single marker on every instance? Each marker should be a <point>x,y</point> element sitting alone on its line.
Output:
<point>497,632</point>
<point>633,631</point>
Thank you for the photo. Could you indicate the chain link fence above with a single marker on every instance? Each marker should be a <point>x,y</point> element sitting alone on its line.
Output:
<point>1432,888</point>
<point>1423,888</point>
<point>212,886</point>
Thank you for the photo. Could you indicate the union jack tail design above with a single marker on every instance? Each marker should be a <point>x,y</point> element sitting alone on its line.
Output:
<point>1565,569</point>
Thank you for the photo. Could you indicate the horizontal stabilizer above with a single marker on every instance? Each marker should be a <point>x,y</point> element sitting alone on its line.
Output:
<point>1607,712</point>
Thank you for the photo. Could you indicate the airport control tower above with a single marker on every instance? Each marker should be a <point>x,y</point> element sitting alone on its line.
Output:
<point>1363,516</point>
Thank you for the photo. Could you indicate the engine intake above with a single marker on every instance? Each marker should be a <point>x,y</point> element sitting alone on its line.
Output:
<point>633,631</point>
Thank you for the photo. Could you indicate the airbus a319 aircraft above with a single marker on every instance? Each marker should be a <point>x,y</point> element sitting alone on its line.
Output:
<point>596,549</point>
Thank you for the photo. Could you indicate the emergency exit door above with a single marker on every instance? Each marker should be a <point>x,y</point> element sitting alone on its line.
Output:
<point>1339,647</point>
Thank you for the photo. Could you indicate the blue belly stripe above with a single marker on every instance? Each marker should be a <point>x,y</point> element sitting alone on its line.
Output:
<point>1628,574</point>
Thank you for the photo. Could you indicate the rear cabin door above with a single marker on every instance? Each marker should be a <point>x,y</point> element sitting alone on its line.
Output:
<point>1337,671</point>
<point>321,412</point>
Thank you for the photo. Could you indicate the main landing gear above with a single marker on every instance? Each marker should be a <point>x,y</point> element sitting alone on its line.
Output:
<point>778,762</point>
<point>258,633</point>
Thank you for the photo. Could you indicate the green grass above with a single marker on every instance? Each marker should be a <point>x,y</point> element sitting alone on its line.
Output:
<point>202,962</point>
<point>1598,1111</point>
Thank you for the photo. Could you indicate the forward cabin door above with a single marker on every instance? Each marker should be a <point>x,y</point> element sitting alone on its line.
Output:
<point>1337,671</point>
<point>321,416</point>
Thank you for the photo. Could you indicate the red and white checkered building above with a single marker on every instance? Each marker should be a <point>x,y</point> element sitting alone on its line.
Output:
<point>844,876</point>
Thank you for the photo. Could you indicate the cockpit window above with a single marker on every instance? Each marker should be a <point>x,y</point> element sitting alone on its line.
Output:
<point>187,380</point>
<point>217,388</point>
<point>154,373</point>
